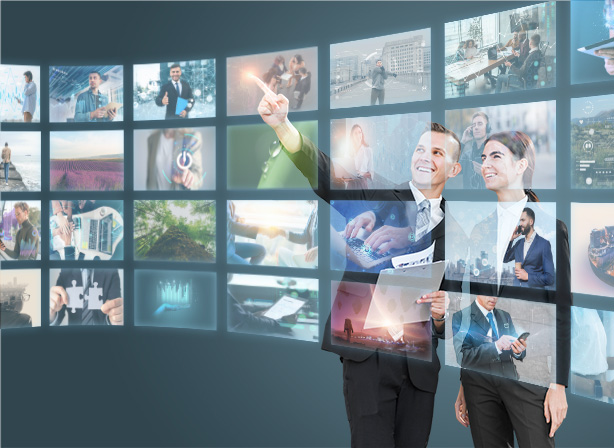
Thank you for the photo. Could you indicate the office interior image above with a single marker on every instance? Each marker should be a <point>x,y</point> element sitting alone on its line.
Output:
<point>152,144</point>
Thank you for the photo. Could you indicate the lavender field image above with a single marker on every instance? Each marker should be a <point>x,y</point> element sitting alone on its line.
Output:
<point>87,175</point>
<point>87,161</point>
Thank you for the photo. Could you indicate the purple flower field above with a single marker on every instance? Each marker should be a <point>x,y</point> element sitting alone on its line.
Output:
<point>87,175</point>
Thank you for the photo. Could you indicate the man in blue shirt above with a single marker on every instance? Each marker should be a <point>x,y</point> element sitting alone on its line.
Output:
<point>91,104</point>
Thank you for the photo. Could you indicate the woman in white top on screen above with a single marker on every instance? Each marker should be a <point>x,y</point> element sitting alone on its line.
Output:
<point>362,154</point>
<point>471,49</point>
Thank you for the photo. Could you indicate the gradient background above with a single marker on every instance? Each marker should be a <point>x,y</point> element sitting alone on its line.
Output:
<point>131,386</point>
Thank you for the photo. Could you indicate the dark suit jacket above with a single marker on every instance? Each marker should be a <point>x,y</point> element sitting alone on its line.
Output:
<point>423,375</point>
<point>538,263</point>
<point>529,67</point>
<point>524,52</point>
<point>309,235</point>
<point>484,236</point>
<point>107,279</point>
<point>475,350</point>
<point>186,93</point>
<point>303,86</point>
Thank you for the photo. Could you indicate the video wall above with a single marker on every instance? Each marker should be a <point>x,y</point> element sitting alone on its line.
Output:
<point>381,171</point>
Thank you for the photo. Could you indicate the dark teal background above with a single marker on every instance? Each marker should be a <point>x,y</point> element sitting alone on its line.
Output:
<point>146,387</point>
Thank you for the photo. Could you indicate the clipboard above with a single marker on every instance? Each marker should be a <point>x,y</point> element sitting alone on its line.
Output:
<point>394,299</point>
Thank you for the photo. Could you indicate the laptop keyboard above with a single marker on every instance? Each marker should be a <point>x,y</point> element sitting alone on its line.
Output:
<point>364,253</point>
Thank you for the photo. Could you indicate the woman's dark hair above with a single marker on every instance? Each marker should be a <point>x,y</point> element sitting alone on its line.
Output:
<point>364,143</point>
<point>472,41</point>
<point>521,146</point>
<point>299,58</point>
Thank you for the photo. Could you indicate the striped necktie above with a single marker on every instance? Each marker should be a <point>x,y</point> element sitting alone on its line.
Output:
<point>423,218</point>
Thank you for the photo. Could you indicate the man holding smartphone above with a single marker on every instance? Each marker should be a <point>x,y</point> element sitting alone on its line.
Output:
<point>486,345</point>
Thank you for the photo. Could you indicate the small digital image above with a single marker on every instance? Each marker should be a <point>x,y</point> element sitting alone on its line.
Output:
<point>174,90</point>
<point>86,230</point>
<point>592,142</point>
<point>86,94</point>
<point>20,227</point>
<point>175,299</point>
<point>20,298</point>
<point>87,161</point>
<point>177,230</point>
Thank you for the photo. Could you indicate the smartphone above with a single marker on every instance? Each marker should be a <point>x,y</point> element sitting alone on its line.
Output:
<point>524,335</point>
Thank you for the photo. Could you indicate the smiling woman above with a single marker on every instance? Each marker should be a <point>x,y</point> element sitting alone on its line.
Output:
<point>508,164</point>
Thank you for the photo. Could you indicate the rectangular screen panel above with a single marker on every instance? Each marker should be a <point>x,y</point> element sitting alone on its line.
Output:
<point>505,51</point>
<point>86,94</point>
<point>381,70</point>
<point>174,90</point>
<point>292,73</point>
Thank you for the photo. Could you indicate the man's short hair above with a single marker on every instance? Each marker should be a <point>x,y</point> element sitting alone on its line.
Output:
<point>97,72</point>
<point>530,213</point>
<point>441,129</point>
<point>302,71</point>
<point>28,75</point>
<point>536,39</point>
<point>175,66</point>
<point>23,206</point>
<point>6,144</point>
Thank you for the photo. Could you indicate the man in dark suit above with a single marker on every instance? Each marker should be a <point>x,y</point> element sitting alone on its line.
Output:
<point>533,254</point>
<point>94,295</point>
<point>175,88</point>
<point>486,345</point>
<point>303,86</point>
<point>526,71</point>
<point>485,339</point>
<point>389,399</point>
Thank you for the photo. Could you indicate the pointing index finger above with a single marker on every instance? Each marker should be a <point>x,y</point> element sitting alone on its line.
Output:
<point>268,92</point>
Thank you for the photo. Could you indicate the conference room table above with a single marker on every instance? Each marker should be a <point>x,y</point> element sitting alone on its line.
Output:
<point>461,72</point>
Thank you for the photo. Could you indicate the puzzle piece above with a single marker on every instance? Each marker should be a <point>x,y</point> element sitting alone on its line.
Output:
<point>75,297</point>
<point>94,297</point>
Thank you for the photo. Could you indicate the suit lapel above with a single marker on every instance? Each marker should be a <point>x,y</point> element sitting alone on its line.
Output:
<point>501,323</point>
<point>530,251</point>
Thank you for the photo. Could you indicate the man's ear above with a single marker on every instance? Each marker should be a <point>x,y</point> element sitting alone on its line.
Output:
<point>456,168</point>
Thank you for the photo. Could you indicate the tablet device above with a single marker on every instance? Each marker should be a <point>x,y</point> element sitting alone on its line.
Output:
<point>590,49</point>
